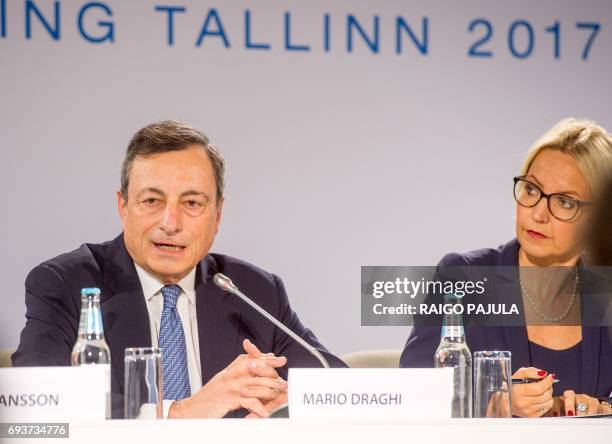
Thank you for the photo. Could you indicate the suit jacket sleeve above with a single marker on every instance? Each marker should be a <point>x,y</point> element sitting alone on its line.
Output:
<point>51,321</point>
<point>296,355</point>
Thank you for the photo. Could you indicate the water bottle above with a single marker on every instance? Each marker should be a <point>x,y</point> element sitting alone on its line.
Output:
<point>454,352</point>
<point>91,347</point>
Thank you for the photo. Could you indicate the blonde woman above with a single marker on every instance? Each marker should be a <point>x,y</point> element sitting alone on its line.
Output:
<point>562,174</point>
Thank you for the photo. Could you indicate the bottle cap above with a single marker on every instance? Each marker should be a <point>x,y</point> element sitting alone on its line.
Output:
<point>88,291</point>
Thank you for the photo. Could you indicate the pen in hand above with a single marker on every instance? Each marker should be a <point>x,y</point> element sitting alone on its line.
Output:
<point>529,380</point>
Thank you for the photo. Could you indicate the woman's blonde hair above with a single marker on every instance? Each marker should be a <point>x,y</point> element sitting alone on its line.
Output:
<point>587,142</point>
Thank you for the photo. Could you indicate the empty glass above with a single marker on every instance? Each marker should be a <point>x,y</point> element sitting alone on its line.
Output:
<point>492,384</point>
<point>143,383</point>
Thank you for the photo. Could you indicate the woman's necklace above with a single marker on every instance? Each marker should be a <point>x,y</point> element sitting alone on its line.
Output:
<point>544,315</point>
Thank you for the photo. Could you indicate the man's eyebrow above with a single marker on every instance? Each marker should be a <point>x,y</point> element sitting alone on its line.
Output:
<point>195,193</point>
<point>150,190</point>
<point>535,179</point>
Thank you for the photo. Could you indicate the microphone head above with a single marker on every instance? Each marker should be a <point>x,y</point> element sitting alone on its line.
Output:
<point>223,282</point>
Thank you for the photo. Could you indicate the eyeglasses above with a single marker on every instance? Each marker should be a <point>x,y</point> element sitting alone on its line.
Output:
<point>562,207</point>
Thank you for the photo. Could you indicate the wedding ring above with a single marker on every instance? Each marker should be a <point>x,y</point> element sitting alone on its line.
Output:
<point>273,393</point>
<point>581,407</point>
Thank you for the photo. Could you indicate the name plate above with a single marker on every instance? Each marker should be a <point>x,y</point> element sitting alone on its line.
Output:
<point>54,393</point>
<point>370,393</point>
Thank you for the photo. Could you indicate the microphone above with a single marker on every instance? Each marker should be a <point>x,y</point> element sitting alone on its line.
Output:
<point>226,284</point>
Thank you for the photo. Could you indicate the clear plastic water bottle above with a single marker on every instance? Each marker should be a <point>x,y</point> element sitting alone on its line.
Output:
<point>91,347</point>
<point>454,352</point>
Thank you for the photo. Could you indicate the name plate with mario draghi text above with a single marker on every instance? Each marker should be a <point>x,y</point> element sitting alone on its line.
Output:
<point>370,393</point>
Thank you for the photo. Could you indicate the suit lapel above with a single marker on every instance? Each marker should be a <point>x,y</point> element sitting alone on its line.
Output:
<point>515,335</point>
<point>508,291</point>
<point>218,323</point>
<point>124,311</point>
<point>126,318</point>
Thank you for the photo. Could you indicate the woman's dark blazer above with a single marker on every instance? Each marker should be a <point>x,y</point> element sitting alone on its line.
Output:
<point>596,340</point>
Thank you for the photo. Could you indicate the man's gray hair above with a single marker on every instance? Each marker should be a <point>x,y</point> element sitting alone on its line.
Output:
<point>169,135</point>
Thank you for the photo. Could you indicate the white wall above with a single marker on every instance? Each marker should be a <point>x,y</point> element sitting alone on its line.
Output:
<point>335,159</point>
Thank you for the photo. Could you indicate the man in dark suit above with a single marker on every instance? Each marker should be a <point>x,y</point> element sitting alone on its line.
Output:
<point>157,289</point>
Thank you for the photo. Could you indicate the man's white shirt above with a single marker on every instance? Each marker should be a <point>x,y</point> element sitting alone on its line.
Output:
<point>186,307</point>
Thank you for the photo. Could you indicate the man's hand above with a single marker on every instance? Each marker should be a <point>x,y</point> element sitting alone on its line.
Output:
<point>270,406</point>
<point>280,398</point>
<point>248,382</point>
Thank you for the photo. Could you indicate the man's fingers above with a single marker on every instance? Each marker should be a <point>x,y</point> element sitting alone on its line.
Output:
<point>271,406</point>
<point>254,405</point>
<point>278,384</point>
<point>236,362</point>
<point>280,400</point>
<point>259,392</point>
<point>251,349</point>
<point>254,352</point>
<point>265,367</point>
<point>263,388</point>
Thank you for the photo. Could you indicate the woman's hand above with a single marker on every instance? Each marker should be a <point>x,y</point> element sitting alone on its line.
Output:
<point>533,399</point>
<point>605,407</point>
<point>593,406</point>
<point>563,405</point>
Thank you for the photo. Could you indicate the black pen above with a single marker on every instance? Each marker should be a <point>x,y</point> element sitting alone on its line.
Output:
<point>529,380</point>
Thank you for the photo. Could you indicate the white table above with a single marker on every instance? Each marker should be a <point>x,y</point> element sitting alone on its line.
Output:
<point>455,431</point>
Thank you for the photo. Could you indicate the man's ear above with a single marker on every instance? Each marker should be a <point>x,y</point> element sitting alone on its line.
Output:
<point>219,210</point>
<point>121,205</point>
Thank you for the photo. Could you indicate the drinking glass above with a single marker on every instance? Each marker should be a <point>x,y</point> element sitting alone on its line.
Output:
<point>143,383</point>
<point>492,384</point>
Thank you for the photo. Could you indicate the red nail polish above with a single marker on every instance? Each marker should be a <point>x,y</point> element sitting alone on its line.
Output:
<point>570,413</point>
<point>554,376</point>
<point>542,373</point>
